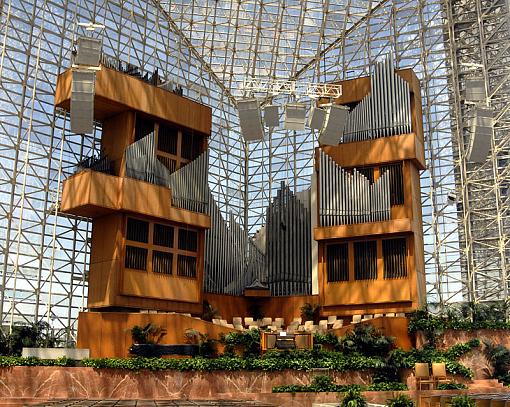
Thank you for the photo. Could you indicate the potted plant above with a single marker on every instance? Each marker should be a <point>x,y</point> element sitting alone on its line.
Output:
<point>353,398</point>
<point>311,312</point>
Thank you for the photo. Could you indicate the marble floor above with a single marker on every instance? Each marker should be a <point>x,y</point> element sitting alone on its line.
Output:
<point>154,403</point>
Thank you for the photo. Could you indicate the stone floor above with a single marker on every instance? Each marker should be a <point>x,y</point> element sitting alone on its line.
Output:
<point>154,403</point>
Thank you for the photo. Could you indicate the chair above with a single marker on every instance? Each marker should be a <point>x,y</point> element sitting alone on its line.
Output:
<point>400,315</point>
<point>439,373</point>
<point>422,375</point>
<point>270,341</point>
<point>338,324</point>
<point>239,327</point>
<point>279,322</point>
<point>253,327</point>
<point>292,329</point>
<point>378,316</point>
<point>229,326</point>
<point>216,321</point>
<point>266,321</point>
<point>298,320</point>
<point>224,322</point>
<point>331,319</point>
<point>248,321</point>
<point>367,317</point>
<point>356,319</point>
<point>390,314</point>
<point>237,321</point>
<point>301,328</point>
<point>323,325</point>
<point>272,328</point>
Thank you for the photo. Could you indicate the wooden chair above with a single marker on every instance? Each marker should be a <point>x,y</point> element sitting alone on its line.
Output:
<point>439,373</point>
<point>356,319</point>
<point>237,321</point>
<point>422,375</point>
<point>248,321</point>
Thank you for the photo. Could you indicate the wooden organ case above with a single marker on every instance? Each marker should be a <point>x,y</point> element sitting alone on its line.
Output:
<point>368,207</point>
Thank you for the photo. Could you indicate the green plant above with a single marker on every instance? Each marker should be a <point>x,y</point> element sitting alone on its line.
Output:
<point>322,383</point>
<point>149,334</point>
<point>462,401</point>
<point>208,311</point>
<point>387,386</point>
<point>401,400</point>
<point>206,345</point>
<point>328,338</point>
<point>34,335</point>
<point>366,340</point>
<point>311,312</point>
<point>499,356</point>
<point>353,398</point>
<point>247,341</point>
<point>451,386</point>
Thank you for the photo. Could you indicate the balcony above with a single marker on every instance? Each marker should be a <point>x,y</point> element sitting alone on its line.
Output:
<point>93,194</point>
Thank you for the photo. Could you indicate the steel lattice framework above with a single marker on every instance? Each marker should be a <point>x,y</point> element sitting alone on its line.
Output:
<point>210,48</point>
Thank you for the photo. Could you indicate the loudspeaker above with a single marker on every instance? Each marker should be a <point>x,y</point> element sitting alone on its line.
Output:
<point>272,116</point>
<point>295,116</point>
<point>333,130</point>
<point>475,90</point>
<point>250,120</point>
<point>89,51</point>
<point>482,126</point>
<point>82,101</point>
<point>316,118</point>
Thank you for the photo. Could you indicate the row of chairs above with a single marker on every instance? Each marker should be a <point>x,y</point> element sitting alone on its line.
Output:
<point>423,376</point>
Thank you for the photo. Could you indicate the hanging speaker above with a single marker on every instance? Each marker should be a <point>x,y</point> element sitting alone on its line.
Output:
<point>316,118</point>
<point>475,90</point>
<point>295,116</point>
<point>482,126</point>
<point>89,51</point>
<point>250,120</point>
<point>272,116</point>
<point>334,124</point>
<point>82,101</point>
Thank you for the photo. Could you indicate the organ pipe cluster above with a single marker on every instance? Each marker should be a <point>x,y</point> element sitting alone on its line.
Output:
<point>288,244</point>
<point>385,111</point>
<point>347,198</point>
<point>142,163</point>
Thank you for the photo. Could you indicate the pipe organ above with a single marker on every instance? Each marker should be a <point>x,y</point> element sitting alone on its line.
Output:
<point>348,198</point>
<point>369,230</point>
<point>384,111</point>
<point>288,243</point>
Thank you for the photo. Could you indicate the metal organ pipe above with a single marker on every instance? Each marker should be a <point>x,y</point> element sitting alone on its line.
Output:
<point>385,111</point>
<point>351,198</point>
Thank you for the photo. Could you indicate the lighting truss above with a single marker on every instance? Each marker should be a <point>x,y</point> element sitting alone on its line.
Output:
<point>298,89</point>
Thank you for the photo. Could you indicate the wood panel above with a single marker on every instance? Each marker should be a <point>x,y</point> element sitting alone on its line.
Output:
<point>377,151</point>
<point>116,92</point>
<point>107,334</point>
<point>117,135</point>
<point>350,231</point>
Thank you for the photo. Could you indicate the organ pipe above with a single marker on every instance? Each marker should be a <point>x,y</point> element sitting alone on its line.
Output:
<point>385,111</point>
<point>351,198</point>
